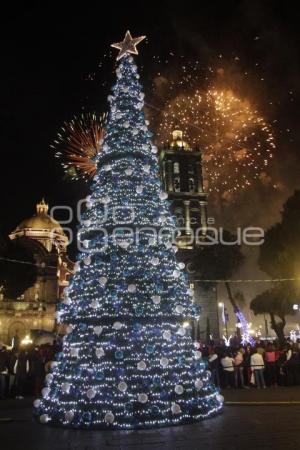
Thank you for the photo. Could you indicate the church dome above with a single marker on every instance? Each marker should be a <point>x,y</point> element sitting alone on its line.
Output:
<point>178,142</point>
<point>41,220</point>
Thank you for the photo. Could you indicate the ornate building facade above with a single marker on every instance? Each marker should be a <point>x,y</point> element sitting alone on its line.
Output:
<point>181,172</point>
<point>34,311</point>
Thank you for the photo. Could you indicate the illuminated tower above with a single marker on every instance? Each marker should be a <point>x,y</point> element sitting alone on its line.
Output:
<point>181,171</point>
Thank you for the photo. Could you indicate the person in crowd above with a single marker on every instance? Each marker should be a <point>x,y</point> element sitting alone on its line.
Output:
<point>258,367</point>
<point>239,379</point>
<point>15,343</point>
<point>3,371</point>
<point>21,370</point>
<point>214,367</point>
<point>271,365</point>
<point>37,371</point>
<point>227,363</point>
<point>291,366</point>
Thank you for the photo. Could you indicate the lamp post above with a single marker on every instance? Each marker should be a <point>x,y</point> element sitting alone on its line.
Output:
<point>225,317</point>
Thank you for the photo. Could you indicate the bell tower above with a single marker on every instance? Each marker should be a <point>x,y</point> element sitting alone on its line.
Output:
<point>182,177</point>
<point>181,168</point>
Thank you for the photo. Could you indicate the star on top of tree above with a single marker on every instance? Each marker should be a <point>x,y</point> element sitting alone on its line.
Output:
<point>128,45</point>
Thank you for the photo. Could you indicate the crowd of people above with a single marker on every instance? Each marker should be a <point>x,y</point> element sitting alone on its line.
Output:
<point>22,370</point>
<point>263,365</point>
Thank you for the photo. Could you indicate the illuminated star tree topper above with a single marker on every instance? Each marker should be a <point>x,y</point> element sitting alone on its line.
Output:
<point>128,45</point>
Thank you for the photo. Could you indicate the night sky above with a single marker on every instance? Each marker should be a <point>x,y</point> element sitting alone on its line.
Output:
<point>48,53</point>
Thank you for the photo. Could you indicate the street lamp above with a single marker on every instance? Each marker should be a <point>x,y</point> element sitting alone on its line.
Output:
<point>225,317</point>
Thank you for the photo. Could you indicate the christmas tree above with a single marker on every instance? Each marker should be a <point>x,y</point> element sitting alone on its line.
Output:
<point>127,360</point>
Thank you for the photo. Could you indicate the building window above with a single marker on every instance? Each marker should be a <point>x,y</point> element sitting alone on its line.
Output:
<point>177,183</point>
<point>176,168</point>
<point>191,184</point>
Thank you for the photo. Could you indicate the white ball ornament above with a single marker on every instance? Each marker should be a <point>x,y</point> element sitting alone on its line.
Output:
<point>154,149</point>
<point>44,418</point>
<point>163,195</point>
<point>90,393</point>
<point>141,365</point>
<point>176,273</point>
<point>196,344</point>
<point>105,147</point>
<point>139,189</point>
<point>156,299</point>
<point>45,392</point>
<point>69,416</point>
<point>155,261</point>
<point>87,223</point>
<point>98,330</point>
<point>175,408</point>
<point>37,403</point>
<point>220,398</point>
<point>146,168</point>
<point>117,325</point>
<point>198,354</point>
<point>181,265</point>
<point>131,288</point>
<point>122,386</point>
<point>76,267</point>
<point>179,309</point>
<point>179,389</point>
<point>126,124</point>
<point>198,384</point>
<point>147,122</point>
<point>109,417</point>
<point>164,361</point>
<point>143,398</point>
<point>49,378</point>
<point>87,261</point>
<point>167,335</point>
<point>135,131</point>
<point>66,301</point>
<point>145,147</point>
<point>94,304</point>
<point>128,171</point>
<point>65,387</point>
<point>107,167</point>
<point>106,200</point>
<point>124,244</point>
<point>99,352</point>
<point>181,331</point>
<point>103,281</point>
<point>74,352</point>
<point>53,365</point>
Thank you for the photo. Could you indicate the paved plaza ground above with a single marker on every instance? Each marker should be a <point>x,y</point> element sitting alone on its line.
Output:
<point>252,419</point>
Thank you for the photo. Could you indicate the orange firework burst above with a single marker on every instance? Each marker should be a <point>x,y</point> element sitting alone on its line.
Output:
<point>77,144</point>
<point>236,141</point>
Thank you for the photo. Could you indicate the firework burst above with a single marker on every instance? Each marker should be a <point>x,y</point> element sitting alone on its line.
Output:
<point>236,142</point>
<point>77,144</point>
